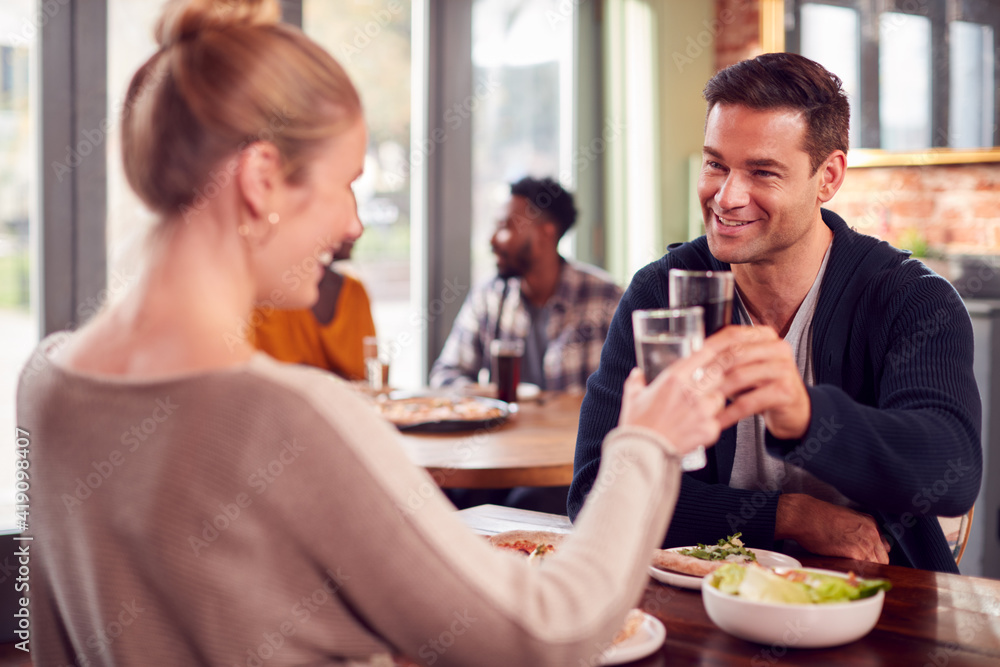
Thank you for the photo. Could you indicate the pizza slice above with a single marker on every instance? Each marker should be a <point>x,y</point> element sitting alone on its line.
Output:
<point>537,544</point>
<point>703,559</point>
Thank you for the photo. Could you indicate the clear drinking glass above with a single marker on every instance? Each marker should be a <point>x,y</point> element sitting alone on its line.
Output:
<point>712,290</point>
<point>376,363</point>
<point>661,338</point>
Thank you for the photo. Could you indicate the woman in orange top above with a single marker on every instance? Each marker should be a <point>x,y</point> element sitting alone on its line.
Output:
<point>330,335</point>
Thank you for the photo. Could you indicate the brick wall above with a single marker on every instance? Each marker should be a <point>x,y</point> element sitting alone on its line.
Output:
<point>739,37</point>
<point>953,209</point>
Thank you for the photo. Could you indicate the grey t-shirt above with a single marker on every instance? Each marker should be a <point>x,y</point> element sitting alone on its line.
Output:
<point>533,363</point>
<point>753,467</point>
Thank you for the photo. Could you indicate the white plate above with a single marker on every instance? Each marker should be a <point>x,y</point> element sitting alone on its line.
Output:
<point>765,558</point>
<point>525,391</point>
<point>647,639</point>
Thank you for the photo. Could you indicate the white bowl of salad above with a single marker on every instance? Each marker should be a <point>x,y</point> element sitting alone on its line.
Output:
<point>792,607</point>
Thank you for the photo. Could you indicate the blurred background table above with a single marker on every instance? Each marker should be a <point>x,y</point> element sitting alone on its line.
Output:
<point>929,618</point>
<point>534,447</point>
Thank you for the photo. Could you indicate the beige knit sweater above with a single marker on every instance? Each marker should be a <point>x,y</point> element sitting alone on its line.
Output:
<point>265,515</point>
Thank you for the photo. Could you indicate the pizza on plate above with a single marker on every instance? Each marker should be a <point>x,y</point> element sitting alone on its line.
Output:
<point>703,559</point>
<point>536,544</point>
<point>427,409</point>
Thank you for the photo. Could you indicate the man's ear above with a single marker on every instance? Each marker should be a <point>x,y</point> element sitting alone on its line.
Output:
<point>258,176</point>
<point>831,175</point>
<point>549,229</point>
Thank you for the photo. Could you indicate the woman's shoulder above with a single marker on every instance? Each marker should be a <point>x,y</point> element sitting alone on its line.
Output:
<point>326,396</point>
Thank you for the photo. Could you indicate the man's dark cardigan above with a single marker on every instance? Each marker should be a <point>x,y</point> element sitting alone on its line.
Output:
<point>896,414</point>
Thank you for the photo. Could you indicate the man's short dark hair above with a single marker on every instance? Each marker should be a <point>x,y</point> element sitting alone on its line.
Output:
<point>550,198</point>
<point>791,81</point>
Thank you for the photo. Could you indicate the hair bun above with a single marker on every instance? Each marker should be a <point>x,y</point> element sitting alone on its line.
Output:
<point>186,19</point>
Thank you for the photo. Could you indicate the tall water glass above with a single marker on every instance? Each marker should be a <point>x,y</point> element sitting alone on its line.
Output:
<point>712,290</point>
<point>661,338</point>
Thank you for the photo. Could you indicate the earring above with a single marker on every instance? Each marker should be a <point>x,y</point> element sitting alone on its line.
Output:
<point>273,218</point>
<point>243,230</point>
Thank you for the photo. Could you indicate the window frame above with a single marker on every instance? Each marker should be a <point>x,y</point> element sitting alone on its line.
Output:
<point>940,14</point>
<point>72,203</point>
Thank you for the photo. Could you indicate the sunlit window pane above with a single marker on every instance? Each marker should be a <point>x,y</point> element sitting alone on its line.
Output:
<point>971,109</point>
<point>372,40</point>
<point>130,44</point>
<point>830,36</point>
<point>18,218</point>
<point>522,120</point>
<point>905,81</point>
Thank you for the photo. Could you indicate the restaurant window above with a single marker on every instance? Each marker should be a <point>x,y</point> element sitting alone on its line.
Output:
<point>972,75</point>
<point>841,54</point>
<point>522,116</point>
<point>919,74</point>
<point>18,219</point>
<point>904,81</point>
<point>130,44</point>
<point>372,40</point>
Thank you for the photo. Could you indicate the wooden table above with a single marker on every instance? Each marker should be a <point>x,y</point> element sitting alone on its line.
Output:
<point>534,447</point>
<point>929,619</point>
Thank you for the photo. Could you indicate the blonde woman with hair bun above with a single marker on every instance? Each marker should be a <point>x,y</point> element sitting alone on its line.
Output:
<point>194,502</point>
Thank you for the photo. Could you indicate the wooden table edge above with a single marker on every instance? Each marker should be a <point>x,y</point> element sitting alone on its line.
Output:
<point>505,478</point>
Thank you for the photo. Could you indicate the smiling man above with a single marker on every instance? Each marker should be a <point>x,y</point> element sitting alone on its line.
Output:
<point>850,380</point>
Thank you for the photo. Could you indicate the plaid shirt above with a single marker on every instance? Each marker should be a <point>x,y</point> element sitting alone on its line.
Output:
<point>580,313</point>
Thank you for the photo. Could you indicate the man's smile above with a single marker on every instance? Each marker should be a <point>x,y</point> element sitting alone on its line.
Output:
<point>731,222</point>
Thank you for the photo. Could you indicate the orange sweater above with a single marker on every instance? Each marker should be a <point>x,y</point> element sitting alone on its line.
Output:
<point>297,337</point>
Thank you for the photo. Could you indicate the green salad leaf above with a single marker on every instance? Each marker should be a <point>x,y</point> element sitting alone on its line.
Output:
<point>726,547</point>
<point>792,587</point>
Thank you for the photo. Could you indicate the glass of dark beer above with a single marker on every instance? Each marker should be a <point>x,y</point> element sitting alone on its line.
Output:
<point>712,290</point>
<point>505,357</point>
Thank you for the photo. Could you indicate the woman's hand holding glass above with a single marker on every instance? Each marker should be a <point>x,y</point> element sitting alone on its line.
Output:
<point>683,403</point>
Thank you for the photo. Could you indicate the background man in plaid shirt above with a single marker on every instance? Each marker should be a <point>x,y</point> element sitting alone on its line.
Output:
<point>561,309</point>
